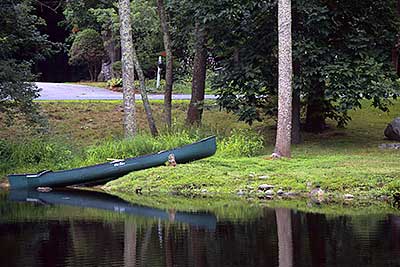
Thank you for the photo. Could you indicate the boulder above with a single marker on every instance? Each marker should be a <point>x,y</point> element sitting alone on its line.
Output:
<point>392,131</point>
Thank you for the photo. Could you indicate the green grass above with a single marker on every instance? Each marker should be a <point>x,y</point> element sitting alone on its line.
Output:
<point>85,132</point>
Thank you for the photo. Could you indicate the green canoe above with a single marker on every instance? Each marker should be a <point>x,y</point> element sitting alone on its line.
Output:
<point>112,170</point>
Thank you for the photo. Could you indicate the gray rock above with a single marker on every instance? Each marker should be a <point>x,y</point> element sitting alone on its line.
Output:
<point>280,192</point>
<point>317,192</point>
<point>204,190</point>
<point>390,146</point>
<point>269,192</point>
<point>240,192</point>
<point>263,177</point>
<point>264,187</point>
<point>392,131</point>
<point>292,194</point>
<point>348,196</point>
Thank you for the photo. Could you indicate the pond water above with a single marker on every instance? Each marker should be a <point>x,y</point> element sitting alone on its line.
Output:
<point>75,228</point>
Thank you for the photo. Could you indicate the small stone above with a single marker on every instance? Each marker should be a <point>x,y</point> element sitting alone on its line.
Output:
<point>269,192</point>
<point>263,177</point>
<point>348,196</point>
<point>240,192</point>
<point>292,194</point>
<point>265,187</point>
<point>317,192</point>
<point>280,192</point>
<point>383,198</point>
<point>275,156</point>
<point>204,190</point>
<point>252,175</point>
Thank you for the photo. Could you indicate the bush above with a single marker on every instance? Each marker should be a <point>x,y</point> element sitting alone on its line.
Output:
<point>37,152</point>
<point>139,145</point>
<point>117,69</point>
<point>241,143</point>
<point>87,48</point>
<point>114,82</point>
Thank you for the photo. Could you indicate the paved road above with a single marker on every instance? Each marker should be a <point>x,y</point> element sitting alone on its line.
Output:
<point>63,91</point>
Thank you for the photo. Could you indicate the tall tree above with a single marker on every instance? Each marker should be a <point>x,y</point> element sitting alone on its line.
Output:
<point>169,64</point>
<point>127,68</point>
<point>21,45</point>
<point>195,110</point>
<point>284,131</point>
<point>143,92</point>
<point>342,49</point>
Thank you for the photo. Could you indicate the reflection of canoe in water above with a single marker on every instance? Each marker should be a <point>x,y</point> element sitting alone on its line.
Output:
<point>112,170</point>
<point>103,201</point>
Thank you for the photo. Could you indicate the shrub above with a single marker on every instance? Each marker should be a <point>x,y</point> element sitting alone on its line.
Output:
<point>87,48</point>
<point>117,69</point>
<point>139,145</point>
<point>241,143</point>
<point>37,152</point>
<point>114,82</point>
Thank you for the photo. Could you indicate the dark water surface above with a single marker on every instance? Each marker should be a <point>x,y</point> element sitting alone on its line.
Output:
<point>74,228</point>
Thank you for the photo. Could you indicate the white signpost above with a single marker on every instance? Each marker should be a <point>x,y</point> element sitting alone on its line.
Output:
<point>159,71</point>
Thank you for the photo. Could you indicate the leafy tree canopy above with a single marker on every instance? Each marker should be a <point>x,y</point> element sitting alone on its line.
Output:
<point>21,44</point>
<point>341,56</point>
<point>102,16</point>
<point>87,48</point>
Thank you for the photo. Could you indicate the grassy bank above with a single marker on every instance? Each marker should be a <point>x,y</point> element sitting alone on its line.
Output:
<point>85,132</point>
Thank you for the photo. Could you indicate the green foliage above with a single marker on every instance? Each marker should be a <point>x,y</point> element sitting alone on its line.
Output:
<point>103,17</point>
<point>341,55</point>
<point>37,152</point>
<point>117,69</point>
<point>21,45</point>
<point>244,143</point>
<point>139,145</point>
<point>114,82</point>
<point>87,48</point>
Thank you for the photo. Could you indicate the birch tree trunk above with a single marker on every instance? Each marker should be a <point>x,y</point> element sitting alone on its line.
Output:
<point>127,68</point>
<point>169,61</point>
<point>283,135</point>
<point>143,92</point>
<point>195,110</point>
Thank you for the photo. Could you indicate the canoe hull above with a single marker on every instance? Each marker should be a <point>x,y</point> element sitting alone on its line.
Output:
<point>113,170</point>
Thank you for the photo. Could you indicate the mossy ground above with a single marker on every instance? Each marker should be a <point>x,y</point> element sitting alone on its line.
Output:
<point>338,160</point>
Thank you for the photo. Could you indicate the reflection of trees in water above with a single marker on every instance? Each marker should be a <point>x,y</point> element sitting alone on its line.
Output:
<point>285,237</point>
<point>280,238</point>
<point>316,240</point>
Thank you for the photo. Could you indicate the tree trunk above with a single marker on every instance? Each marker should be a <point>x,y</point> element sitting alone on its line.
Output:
<point>283,136</point>
<point>169,61</point>
<point>315,117</point>
<point>296,118</point>
<point>195,110</point>
<point>127,68</point>
<point>285,238</point>
<point>143,92</point>
<point>90,68</point>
